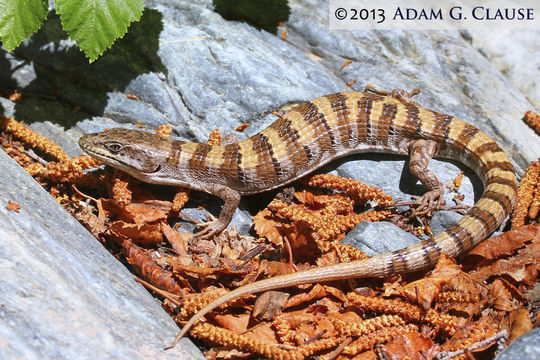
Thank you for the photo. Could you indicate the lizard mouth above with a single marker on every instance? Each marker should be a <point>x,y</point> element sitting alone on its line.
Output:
<point>156,170</point>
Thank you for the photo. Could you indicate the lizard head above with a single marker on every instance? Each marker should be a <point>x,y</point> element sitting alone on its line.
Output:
<point>142,155</point>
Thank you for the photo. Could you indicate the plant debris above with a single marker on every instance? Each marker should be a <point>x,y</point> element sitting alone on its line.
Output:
<point>457,310</point>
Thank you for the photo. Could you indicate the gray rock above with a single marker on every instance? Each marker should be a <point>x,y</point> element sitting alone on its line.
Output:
<point>442,220</point>
<point>392,174</point>
<point>241,219</point>
<point>525,347</point>
<point>191,68</point>
<point>516,54</point>
<point>378,238</point>
<point>62,294</point>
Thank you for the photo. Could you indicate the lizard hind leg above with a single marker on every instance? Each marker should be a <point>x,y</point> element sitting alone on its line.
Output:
<point>421,152</point>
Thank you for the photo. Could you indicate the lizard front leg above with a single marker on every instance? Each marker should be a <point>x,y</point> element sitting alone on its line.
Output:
<point>215,226</point>
<point>421,151</point>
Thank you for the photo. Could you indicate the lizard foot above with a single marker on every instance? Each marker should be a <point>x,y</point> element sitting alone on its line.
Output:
<point>430,201</point>
<point>210,228</point>
<point>400,94</point>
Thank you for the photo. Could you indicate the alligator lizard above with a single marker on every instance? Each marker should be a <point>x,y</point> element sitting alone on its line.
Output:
<point>304,139</point>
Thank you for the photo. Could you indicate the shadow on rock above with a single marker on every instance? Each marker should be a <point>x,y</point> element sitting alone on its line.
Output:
<point>261,14</point>
<point>65,88</point>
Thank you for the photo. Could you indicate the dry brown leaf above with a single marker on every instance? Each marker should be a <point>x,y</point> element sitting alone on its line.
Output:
<point>311,200</point>
<point>317,292</point>
<point>300,237</point>
<point>242,324</point>
<point>457,181</point>
<point>471,334</point>
<point>241,127</point>
<point>145,234</point>
<point>11,206</point>
<point>149,211</point>
<point>311,323</point>
<point>269,304</point>
<point>522,267</point>
<point>236,323</point>
<point>265,226</point>
<point>202,272</point>
<point>366,355</point>
<point>505,244</point>
<point>275,268</point>
<point>425,290</point>
<point>94,223</point>
<point>411,345</point>
<point>143,262</point>
<point>522,324</point>
<point>178,241</point>
<point>348,316</point>
<point>501,297</point>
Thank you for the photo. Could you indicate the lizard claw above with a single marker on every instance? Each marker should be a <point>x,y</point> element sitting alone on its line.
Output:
<point>430,201</point>
<point>209,228</point>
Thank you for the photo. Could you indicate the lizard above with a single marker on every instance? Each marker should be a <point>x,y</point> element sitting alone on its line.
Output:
<point>301,141</point>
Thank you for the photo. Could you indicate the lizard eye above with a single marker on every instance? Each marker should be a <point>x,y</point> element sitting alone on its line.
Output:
<point>114,147</point>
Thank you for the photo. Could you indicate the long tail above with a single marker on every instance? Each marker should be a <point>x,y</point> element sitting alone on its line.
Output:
<point>476,150</point>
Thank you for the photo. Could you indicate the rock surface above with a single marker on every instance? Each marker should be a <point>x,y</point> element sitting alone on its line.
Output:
<point>525,347</point>
<point>390,238</point>
<point>191,68</point>
<point>442,220</point>
<point>516,54</point>
<point>62,295</point>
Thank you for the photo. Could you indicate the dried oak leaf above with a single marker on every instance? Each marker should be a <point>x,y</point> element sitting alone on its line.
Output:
<point>411,345</point>
<point>265,226</point>
<point>11,206</point>
<point>523,266</point>
<point>143,262</point>
<point>148,211</point>
<point>94,223</point>
<point>425,290</point>
<point>366,355</point>
<point>138,212</point>
<point>505,244</point>
<point>275,268</point>
<point>311,200</point>
<point>522,324</point>
<point>242,324</point>
<point>471,334</point>
<point>241,127</point>
<point>300,237</point>
<point>269,304</point>
<point>178,241</point>
<point>203,272</point>
<point>313,322</point>
<point>317,292</point>
<point>501,296</point>
<point>144,234</point>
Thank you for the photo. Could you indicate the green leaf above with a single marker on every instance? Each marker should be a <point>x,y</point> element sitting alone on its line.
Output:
<point>96,24</point>
<point>19,19</point>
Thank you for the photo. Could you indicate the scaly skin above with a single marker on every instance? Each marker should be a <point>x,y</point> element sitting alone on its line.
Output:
<point>303,140</point>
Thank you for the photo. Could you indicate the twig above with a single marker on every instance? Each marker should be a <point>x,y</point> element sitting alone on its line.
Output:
<point>184,216</point>
<point>334,354</point>
<point>34,156</point>
<point>175,299</point>
<point>499,337</point>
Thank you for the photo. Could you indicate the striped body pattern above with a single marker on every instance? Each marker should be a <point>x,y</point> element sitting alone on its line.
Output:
<point>304,139</point>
